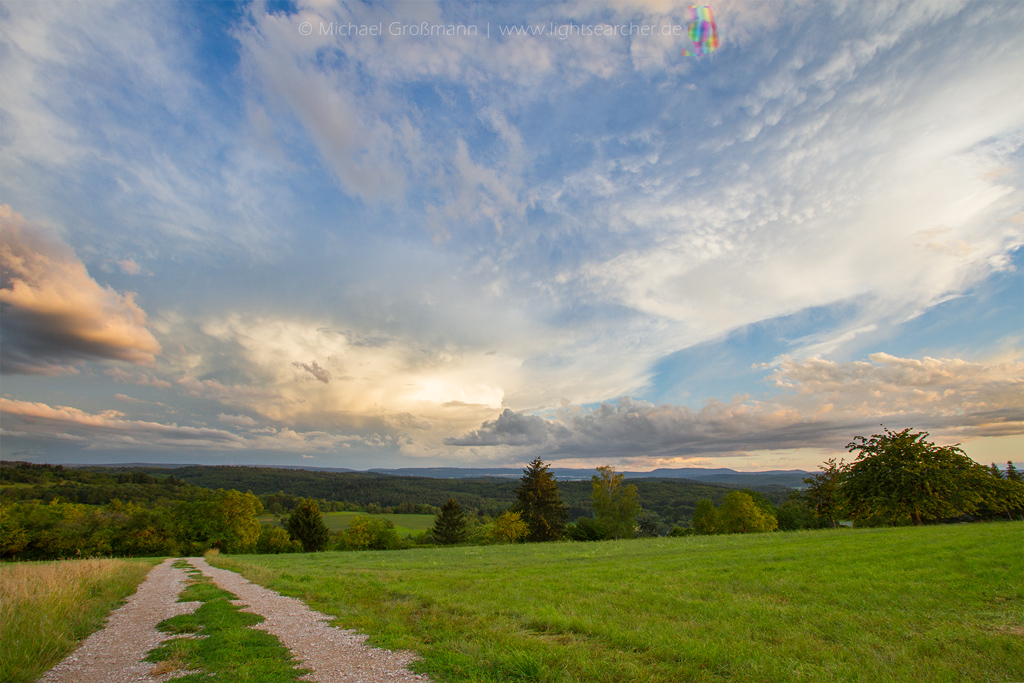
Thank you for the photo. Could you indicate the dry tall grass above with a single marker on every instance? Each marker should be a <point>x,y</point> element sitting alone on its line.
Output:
<point>46,608</point>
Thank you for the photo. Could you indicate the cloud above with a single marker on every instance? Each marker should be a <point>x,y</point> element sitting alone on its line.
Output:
<point>55,314</point>
<point>511,429</point>
<point>129,267</point>
<point>825,405</point>
<point>237,420</point>
<point>140,378</point>
<point>315,370</point>
<point>110,428</point>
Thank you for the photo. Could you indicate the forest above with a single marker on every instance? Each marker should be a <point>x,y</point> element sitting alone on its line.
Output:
<point>897,478</point>
<point>53,511</point>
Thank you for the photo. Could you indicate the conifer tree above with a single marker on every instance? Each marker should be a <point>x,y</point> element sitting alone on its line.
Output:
<point>306,525</point>
<point>450,524</point>
<point>538,503</point>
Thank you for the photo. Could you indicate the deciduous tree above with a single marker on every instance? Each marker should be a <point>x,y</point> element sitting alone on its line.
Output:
<point>822,492</point>
<point>615,503</point>
<point>903,476</point>
<point>705,518</point>
<point>740,514</point>
<point>370,533</point>
<point>509,527</point>
<point>538,503</point>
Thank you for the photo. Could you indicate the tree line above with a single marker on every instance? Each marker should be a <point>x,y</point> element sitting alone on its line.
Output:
<point>896,478</point>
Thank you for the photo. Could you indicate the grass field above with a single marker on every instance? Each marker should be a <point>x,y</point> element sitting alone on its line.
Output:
<point>405,525</point>
<point>47,607</point>
<point>936,603</point>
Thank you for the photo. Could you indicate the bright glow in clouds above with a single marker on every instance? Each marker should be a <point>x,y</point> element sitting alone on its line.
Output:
<point>268,244</point>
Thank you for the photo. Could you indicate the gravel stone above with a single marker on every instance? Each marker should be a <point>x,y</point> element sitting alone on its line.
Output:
<point>114,653</point>
<point>335,655</point>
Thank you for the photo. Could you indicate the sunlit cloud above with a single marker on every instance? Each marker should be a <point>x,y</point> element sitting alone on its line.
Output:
<point>825,404</point>
<point>442,248</point>
<point>55,314</point>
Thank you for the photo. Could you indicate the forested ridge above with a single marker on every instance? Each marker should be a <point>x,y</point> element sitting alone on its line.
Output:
<point>672,499</point>
<point>55,511</point>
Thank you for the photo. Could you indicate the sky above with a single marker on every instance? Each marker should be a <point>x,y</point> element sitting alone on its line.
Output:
<point>418,234</point>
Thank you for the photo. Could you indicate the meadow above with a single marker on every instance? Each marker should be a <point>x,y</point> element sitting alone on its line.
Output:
<point>47,607</point>
<point>405,524</point>
<point>934,603</point>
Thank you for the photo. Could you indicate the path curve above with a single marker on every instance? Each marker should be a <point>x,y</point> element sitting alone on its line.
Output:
<point>335,655</point>
<point>114,653</point>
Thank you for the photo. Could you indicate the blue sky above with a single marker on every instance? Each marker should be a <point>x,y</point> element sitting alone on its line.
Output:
<point>240,233</point>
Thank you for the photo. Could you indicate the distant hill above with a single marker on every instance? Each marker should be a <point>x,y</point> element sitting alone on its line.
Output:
<point>721,475</point>
<point>789,478</point>
<point>669,493</point>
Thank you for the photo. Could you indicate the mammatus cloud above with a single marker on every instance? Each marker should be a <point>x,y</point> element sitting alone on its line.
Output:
<point>55,315</point>
<point>826,404</point>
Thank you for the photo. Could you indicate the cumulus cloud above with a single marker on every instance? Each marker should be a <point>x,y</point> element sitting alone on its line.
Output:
<point>55,314</point>
<point>512,429</point>
<point>825,404</point>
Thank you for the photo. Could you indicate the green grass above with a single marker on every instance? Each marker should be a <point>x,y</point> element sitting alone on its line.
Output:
<point>937,603</point>
<point>405,524</point>
<point>217,642</point>
<point>47,608</point>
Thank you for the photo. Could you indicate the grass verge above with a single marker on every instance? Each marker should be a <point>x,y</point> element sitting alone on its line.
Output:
<point>47,608</point>
<point>217,642</point>
<point>935,604</point>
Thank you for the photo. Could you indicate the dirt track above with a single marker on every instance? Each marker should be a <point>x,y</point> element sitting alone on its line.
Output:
<point>114,653</point>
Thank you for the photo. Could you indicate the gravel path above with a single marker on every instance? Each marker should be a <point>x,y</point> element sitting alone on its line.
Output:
<point>335,655</point>
<point>114,653</point>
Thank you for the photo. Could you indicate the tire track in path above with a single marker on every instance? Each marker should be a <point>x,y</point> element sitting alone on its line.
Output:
<point>335,655</point>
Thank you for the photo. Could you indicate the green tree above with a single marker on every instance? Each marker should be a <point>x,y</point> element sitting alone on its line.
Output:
<point>649,524</point>
<point>1012,474</point>
<point>509,527</point>
<point>307,526</point>
<point>902,476</point>
<point>369,533</point>
<point>273,539</point>
<point>236,517</point>
<point>822,492</point>
<point>705,518</point>
<point>739,513</point>
<point>450,524</point>
<point>615,503</point>
<point>538,503</point>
